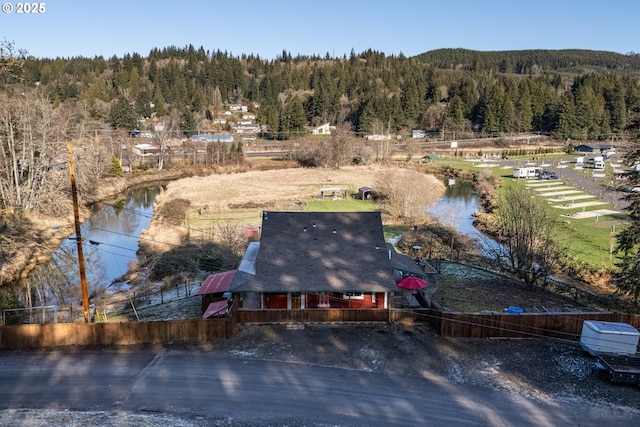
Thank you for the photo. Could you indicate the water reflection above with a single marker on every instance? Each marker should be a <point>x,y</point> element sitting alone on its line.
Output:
<point>110,239</point>
<point>456,209</point>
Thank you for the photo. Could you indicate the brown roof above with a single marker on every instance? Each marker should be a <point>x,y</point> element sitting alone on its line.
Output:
<point>320,251</point>
<point>216,283</point>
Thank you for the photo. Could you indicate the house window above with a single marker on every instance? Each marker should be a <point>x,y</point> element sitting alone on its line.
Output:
<point>353,295</point>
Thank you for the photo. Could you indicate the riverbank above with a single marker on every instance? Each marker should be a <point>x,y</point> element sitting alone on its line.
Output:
<point>29,239</point>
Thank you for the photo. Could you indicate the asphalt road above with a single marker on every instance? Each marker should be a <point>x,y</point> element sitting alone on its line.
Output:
<point>578,179</point>
<point>218,385</point>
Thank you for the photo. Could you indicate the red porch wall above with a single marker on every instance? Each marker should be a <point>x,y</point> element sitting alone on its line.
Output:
<point>278,301</point>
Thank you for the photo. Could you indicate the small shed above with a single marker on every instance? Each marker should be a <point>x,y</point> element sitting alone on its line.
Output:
<point>365,193</point>
<point>612,338</point>
<point>213,291</point>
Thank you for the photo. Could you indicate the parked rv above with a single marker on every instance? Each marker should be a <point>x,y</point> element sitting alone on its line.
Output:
<point>520,172</point>
<point>529,173</point>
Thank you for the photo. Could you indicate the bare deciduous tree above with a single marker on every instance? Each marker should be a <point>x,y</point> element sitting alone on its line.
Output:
<point>164,132</point>
<point>407,192</point>
<point>338,145</point>
<point>33,132</point>
<point>527,228</point>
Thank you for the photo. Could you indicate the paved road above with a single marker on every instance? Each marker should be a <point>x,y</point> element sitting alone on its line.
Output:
<point>578,179</point>
<point>213,386</point>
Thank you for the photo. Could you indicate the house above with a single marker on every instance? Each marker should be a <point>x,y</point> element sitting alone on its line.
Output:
<point>248,128</point>
<point>324,129</point>
<point>418,133</point>
<point>595,148</point>
<point>315,260</point>
<point>146,150</point>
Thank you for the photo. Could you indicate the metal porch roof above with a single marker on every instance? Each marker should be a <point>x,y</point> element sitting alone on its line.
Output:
<point>216,283</point>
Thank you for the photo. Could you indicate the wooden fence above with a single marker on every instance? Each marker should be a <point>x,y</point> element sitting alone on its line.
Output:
<point>106,334</point>
<point>556,325</point>
<point>448,324</point>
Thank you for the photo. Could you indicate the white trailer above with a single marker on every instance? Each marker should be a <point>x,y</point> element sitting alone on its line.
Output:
<point>520,172</point>
<point>526,172</point>
<point>612,338</point>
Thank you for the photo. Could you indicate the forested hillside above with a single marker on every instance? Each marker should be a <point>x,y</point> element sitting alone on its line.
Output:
<point>453,90</point>
<point>536,61</point>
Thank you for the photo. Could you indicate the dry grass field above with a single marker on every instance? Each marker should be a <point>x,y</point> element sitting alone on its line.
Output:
<point>237,199</point>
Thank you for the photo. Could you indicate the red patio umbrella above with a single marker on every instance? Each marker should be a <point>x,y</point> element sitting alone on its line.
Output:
<point>412,282</point>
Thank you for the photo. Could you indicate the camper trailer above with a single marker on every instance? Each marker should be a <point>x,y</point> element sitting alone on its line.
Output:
<point>529,173</point>
<point>520,172</point>
<point>598,162</point>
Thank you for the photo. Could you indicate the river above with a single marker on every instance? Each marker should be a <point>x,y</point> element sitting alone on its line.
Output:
<point>456,209</point>
<point>110,239</point>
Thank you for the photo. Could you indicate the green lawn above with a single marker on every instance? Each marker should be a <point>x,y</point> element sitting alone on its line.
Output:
<point>589,240</point>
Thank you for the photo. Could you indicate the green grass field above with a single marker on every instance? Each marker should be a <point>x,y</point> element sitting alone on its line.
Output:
<point>590,241</point>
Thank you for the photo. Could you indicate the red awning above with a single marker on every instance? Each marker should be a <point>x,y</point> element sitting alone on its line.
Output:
<point>216,283</point>
<point>217,308</point>
<point>412,282</point>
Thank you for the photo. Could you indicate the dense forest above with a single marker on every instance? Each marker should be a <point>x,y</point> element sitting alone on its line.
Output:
<point>575,94</point>
<point>99,102</point>
<point>535,61</point>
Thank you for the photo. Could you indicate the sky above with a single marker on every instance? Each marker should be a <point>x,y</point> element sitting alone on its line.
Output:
<point>89,28</point>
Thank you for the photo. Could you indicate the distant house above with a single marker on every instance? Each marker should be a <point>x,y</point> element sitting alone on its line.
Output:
<point>595,148</point>
<point>238,108</point>
<point>145,150</point>
<point>418,133</point>
<point>315,260</point>
<point>248,128</point>
<point>211,137</point>
<point>324,129</point>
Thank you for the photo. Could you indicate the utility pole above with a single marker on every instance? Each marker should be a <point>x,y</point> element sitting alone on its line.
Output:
<point>76,217</point>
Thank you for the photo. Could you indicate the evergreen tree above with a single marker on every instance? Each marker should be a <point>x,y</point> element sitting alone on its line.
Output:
<point>188,123</point>
<point>122,115</point>
<point>116,166</point>
<point>455,113</point>
<point>143,104</point>
<point>158,102</point>
<point>566,127</point>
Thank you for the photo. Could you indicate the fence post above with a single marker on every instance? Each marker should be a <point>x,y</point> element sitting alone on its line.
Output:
<point>161,296</point>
